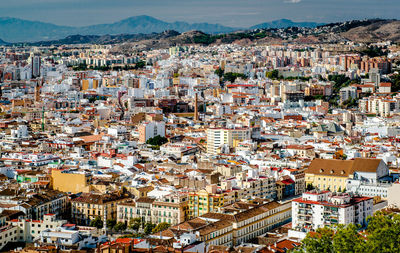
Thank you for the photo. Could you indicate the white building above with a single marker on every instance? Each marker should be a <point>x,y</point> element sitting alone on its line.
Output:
<point>219,137</point>
<point>319,209</point>
<point>151,129</point>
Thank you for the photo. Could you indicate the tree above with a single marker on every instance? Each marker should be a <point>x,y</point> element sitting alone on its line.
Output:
<point>110,223</point>
<point>347,239</point>
<point>157,141</point>
<point>120,226</point>
<point>274,74</point>
<point>148,228</point>
<point>310,187</point>
<point>140,65</point>
<point>219,72</point>
<point>96,222</point>
<point>395,80</point>
<point>318,242</point>
<point>382,235</point>
<point>134,223</point>
<point>231,77</point>
<point>161,227</point>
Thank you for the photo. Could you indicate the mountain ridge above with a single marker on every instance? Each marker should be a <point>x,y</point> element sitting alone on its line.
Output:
<point>284,23</point>
<point>15,30</point>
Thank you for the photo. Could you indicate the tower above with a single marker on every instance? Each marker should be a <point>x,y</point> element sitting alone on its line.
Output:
<point>37,93</point>
<point>35,66</point>
<point>196,111</point>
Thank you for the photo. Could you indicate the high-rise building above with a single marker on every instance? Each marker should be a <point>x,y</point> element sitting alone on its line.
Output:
<point>230,137</point>
<point>36,62</point>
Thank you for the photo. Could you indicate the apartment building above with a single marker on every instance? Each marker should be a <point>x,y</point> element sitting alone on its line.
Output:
<point>151,129</point>
<point>382,106</point>
<point>210,199</point>
<point>171,208</point>
<point>88,206</point>
<point>29,230</point>
<point>317,209</point>
<point>230,137</point>
<point>233,227</point>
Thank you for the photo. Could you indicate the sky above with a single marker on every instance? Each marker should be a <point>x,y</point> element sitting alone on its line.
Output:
<point>235,13</point>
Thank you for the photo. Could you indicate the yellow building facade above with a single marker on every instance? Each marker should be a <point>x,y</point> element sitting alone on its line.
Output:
<point>67,181</point>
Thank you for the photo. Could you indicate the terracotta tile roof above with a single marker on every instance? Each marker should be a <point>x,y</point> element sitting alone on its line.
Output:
<point>342,168</point>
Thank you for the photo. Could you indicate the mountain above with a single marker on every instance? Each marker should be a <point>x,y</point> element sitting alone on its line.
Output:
<point>19,30</point>
<point>380,30</point>
<point>147,24</point>
<point>284,23</point>
<point>3,43</point>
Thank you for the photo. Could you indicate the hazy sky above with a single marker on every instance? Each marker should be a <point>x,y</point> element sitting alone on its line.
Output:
<point>238,13</point>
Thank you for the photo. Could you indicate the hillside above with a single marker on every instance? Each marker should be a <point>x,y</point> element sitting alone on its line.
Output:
<point>378,31</point>
<point>284,23</point>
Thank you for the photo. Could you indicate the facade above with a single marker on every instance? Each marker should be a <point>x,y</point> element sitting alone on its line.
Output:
<point>8,233</point>
<point>151,129</point>
<point>218,137</point>
<point>89,206</point>
<point>171,209</point>
<point>333,174</point>
<point>317,209</point>
<point>63,238</point>
<point>232,228</point>
<point>29,230</point>
<point>209,200</point>
<point>70,181</point>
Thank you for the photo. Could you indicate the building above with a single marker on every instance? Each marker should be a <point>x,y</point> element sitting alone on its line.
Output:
<point>151,129</point>
<point>8,232</point>
<point>302,151</point>
<point>208,200</point>
<point>171,209</point>
<point>29,230</point>
<point>36,64</point>
<point>333,174</point>
<point>347,93</point>
<point>89,206</point>
<point>70,181</point>
<point>58,236</point>
<point>217,138</point>
<point>317,209</point>
<point>234,226</point>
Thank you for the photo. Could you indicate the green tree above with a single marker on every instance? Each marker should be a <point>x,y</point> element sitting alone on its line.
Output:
<point>96,222</point>
<point>134,223</point>
<point>274,74</point>
<point>310,187</point>
<point>161,227</point>
<point>120,226</point>
<point>219,72</point>
<point>231,77</point>
<point>140,65</point>
<point>157,140</point>
<point>148,228</point>
<point>383,233</point>
<point>318,242</point>
<point>110,223</point>
<point>347,239</point>
<point>395,80</point>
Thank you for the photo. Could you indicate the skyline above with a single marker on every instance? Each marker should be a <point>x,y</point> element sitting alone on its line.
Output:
<point>234,13</point>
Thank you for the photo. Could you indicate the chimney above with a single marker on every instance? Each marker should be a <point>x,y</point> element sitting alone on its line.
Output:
<point>196,112</point>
